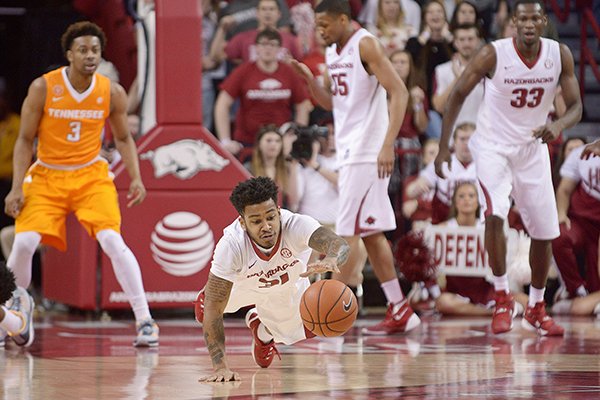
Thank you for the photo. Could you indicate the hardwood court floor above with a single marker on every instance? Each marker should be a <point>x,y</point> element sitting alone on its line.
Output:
<point>445,358</point>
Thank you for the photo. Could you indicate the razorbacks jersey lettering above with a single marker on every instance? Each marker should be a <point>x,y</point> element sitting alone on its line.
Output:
<point>360,110</point>
<point>70,130</point>
<point>520,95</point>
<point>238,260</point>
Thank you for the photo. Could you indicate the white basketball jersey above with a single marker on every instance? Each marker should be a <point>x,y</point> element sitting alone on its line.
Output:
<point>238,260</point>
<point>360,110</point>
<point>520,95</point>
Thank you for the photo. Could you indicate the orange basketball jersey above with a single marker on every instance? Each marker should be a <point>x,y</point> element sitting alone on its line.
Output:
<point>70,130</point>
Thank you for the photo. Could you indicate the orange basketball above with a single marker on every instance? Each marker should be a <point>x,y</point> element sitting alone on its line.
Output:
<point>328,308</point>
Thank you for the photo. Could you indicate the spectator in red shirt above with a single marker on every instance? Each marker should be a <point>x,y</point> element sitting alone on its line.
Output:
<point>269,92</point>
<point>242,47</point>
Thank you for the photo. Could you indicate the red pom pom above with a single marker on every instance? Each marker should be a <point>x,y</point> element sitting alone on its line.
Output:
<point>413,258</point>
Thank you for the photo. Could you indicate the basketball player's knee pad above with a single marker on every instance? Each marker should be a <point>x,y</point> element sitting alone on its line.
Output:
<point>112,243</point>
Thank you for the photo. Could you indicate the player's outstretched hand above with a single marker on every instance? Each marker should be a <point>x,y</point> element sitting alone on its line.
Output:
<point>137,193</point>
<point>592,149</point>
<point>328,264</point>
<point>221,375</point>
<point>443,156</point>
<point>547,132</point>
<point>14,202</point>
<point>302,70</point>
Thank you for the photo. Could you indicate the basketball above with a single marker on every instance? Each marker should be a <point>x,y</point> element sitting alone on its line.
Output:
<point>328,308</point>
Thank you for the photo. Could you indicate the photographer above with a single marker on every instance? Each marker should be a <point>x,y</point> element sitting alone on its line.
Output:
<point>312,158</point>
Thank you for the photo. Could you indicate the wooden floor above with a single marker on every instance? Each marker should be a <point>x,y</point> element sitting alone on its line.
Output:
<point>445,358</point>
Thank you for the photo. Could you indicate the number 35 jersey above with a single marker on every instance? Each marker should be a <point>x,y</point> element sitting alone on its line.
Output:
<point>519,97</point>
<point>70,130</point>
<point>360,111</point>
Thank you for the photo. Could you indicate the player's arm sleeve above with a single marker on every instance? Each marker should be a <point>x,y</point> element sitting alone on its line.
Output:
<point>226,260</point>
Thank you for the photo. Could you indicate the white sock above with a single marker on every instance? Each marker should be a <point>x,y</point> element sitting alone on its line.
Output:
<point>263,334</point>
<point>535,296</point>
<point>21,255</point>
<point>127,271</point>
<point>501,283</point>
<point>11,322</point>
<point>392,291</point>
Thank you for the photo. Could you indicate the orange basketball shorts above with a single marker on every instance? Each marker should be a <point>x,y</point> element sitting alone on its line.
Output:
<point>51,194</point>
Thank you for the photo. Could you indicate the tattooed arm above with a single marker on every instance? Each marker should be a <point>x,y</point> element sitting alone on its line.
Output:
<point>335,248</point>
<point>217,292</point>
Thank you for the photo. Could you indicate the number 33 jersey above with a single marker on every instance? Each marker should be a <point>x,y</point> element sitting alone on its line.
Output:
<point>70,130</point>
<point>520,95</point>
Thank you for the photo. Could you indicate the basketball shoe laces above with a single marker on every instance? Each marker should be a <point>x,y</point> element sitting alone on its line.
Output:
<point>266,351</point>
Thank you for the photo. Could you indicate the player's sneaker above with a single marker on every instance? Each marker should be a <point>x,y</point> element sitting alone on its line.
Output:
<point>399,318</point>
<point>199,306</point>
<point>535,319</point>
<point>504,312</point>
<point>262,353</point>
<point>22,306</point>
<point>147,333</point>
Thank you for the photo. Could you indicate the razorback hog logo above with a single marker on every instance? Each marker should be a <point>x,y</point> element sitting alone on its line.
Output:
<point>184,159</point>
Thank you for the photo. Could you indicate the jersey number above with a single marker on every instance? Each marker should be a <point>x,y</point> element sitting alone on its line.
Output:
<point>75,133</point>
<point>531,98</point>
<point>339,84</point>
<point>280,280</point>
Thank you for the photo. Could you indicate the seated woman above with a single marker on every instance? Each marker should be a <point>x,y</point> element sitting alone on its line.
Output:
<point>469,295</point>
<point>268,159</point>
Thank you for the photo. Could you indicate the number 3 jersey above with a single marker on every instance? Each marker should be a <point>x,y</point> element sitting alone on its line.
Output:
<point>360,110</point>
<point>70,130</point>
<point>518,98</point>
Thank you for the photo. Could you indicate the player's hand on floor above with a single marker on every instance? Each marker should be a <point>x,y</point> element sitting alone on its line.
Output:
<point>221,375</point>
<point>328,264</point>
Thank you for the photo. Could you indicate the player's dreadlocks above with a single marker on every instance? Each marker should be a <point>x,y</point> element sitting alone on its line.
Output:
<point>253,191</point>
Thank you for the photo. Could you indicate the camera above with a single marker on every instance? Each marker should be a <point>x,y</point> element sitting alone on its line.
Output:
<point>302,148</point>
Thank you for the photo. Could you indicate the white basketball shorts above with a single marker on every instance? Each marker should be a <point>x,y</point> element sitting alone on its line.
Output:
<point>278,308</point>
<point>364,204</point>
<point>522,172</point>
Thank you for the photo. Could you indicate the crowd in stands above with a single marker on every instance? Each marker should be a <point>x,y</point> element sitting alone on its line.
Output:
<point>256,106</point>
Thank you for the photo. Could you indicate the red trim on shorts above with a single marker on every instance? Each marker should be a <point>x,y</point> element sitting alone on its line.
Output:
<point>357,222</point>
<point>262,255</point>
<point>527,63</point>
<point>488,200</point>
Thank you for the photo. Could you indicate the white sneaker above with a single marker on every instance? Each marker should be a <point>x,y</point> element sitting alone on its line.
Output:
<point>147,334</point>
<point>22,306</point>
